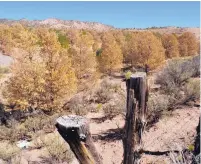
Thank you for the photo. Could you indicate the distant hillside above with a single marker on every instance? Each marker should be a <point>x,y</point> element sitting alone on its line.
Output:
<point>60,24</point>
<point>72,24</point>
<point>170,30</point>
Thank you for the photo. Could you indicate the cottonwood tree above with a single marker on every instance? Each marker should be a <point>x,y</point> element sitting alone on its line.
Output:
<point>63,39</point>
<point>111,56</point>
<point>97,41</point>
<point>45,80</point>
<point>60,80</point>
<point>26,85</point>
<point>6,39</point>
<point>171,45</point>
<point>130,48</point>
<point>187,44</point>
<point>26,40</point>
<point>145,49</point>
<point>83,56</point>
<point>120,39</point>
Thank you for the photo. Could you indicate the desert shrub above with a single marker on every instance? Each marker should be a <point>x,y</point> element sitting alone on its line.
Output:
<point>192,90</point>
<point>106,91</point>
<point>16,159</point>
<point>158,105</point>
<point>114,108</point>
<point>38,143</point>
<point>14,132</point>
<point>8,150</point>
<point>101,98</point>
<point>35,123</point>
<point>195,62</point>
<point>182,157</point>
<point>111,97</point>
<point>40,122</point>
<point>57,148</point>
<point>25,130</point>
<point>176,73</point>
<point>78,105</point>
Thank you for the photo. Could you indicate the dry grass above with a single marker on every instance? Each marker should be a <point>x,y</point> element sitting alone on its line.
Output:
<point>57,148</point>
<point>78,105</point>
<point>40,122</point>
<point>158,105</point>
<point>177,80</point>
<point>114,108</point>
<point>3,71</point>
<point>108,96</point>
<point>14,133</point>
<point>183,157</point>
<point>8,150</point>
<point>111,97</point>
<point>29,128</point>
<point>192,90</point>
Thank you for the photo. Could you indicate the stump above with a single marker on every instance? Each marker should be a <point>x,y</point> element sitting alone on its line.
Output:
<point>75,131</point>
<point>137,97</point>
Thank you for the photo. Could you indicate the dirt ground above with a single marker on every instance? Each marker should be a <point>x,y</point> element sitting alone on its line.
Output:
<point>170,133</point>
<point>175,132</point>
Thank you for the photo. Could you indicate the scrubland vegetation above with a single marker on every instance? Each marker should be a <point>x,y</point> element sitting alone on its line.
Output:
<point>52,65</point>
<point>58,72</point>
<point>178,86</point>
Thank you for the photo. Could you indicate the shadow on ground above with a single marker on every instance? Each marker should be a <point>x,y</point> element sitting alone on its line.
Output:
<point>110,135</point>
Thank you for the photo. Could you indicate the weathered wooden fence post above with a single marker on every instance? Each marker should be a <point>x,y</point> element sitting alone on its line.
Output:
<point>137,96</point>
<point>75,130</point>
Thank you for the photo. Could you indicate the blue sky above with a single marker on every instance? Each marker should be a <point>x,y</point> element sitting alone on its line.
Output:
<point>118,14</point>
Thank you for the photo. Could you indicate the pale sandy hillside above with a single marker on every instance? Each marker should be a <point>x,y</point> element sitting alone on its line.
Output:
<point>74,24</point>
<point>170,30</point>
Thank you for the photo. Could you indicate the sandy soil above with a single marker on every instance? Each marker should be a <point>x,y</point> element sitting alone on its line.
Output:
<point>170,133</point>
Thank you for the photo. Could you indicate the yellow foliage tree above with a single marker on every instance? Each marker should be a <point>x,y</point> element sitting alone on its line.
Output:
<point>120,39</point>
<point>187,44</point>
<point>6,39</point>
<point>83,56</point>
<point>144,48</point>
<point>45,80</point>
<point>97,41</point>
<point>171,45</point>
<point>26,85</point>
<point>25,39</point>
<point>60,80</point>
<point>110,57</point>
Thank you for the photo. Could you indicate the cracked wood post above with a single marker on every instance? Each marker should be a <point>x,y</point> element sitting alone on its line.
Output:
<point>137,97</point>
<point>75,131</point>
